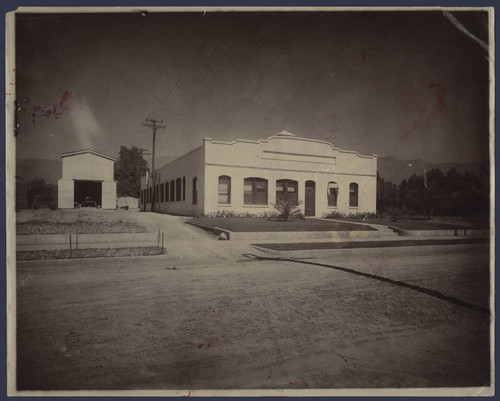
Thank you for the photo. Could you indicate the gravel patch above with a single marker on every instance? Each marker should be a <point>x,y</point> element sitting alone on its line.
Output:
<point>90,253</point>
<point>83,227</point>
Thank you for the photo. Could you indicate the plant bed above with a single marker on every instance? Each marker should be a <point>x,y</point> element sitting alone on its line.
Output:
<point>89,253</point>
<point>274,225</point>
<point>83,227</point>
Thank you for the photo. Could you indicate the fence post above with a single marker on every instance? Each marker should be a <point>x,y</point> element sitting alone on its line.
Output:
<point>158,243</point>
<point>162,247</point>
<point>70,247</point>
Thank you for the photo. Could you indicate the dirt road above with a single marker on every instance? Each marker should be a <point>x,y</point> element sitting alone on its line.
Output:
<point>158,323</point>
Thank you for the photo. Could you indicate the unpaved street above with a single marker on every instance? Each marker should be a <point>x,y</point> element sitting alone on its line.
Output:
<point>158,323</point>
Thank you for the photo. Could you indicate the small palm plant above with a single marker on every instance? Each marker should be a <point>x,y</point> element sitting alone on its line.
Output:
<point>288,209</point>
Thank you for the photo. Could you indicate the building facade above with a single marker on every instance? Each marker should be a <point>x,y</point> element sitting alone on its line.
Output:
<point>252,176</point>
<point>87,176</point>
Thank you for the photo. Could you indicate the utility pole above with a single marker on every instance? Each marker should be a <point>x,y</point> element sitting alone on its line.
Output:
<point>143,153</point>
<point>155,124</point>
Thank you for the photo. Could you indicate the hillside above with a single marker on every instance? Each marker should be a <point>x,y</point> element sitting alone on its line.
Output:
<point>395,170</point>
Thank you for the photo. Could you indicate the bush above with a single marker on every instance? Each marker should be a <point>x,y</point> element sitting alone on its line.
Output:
<point>53,206</point>
<point>352,216</point>
<point>394,212</point>
<point>233,214</point>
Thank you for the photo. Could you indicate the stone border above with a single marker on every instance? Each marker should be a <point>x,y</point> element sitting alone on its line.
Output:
<point>289,235</point>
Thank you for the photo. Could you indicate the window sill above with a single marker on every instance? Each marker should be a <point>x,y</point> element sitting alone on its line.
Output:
<point>256,206</point>
<point>332,207</point>
<point>353,207</point>
<point>224,205</point>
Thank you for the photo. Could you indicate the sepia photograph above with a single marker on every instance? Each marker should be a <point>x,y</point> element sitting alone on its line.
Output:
<point>210,201</point>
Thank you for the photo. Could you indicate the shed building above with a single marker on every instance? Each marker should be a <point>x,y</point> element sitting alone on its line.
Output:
<point>87,174</point>
<point>252,176</point>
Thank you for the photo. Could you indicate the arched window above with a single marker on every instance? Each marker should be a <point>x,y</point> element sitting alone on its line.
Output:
<point>333,193</point>
<point>255,191</point>
<point>287,190</point>
<point>195,191</point>
<point>178,189</point>
<point>172,190</point>
<point>224,189</point>
<point>353,194</point>
<point>183,188</point>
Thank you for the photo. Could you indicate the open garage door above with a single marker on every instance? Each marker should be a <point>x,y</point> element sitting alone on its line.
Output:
<point>88,192</point>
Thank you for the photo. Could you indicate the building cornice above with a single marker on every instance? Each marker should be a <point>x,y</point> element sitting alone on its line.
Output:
<point>288,136</point>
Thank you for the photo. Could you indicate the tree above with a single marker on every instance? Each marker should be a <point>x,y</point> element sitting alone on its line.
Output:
<point>129,168</point>
<point>387,195</point>
<point>41,194</point>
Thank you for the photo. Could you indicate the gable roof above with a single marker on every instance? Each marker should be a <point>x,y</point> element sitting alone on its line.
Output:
<point>80,152</point>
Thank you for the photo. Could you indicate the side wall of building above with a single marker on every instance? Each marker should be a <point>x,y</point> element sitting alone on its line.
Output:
<point>65,194</point>
<point>186,176</point>
<point>109,195</point>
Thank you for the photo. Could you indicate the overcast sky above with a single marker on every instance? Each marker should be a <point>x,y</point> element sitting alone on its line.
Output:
<point>408,84</point>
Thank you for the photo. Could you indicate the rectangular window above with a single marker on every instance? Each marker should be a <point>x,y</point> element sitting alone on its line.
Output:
<point>172,191</point>
<point>224,189</point>
<point>333,190</point>
<point>286,190</point>
<point>353,195</point>
<point>195,191</point>
<point>178,189</point>
<point>183,188</point>
<point>162,190</point>
<point>255,191</point>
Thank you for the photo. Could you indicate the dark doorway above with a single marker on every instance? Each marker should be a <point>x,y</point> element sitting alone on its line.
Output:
<point>310,204</point>
<point>88,192</point>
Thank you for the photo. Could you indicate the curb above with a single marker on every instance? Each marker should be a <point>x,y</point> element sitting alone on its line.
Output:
<point>436,233</point>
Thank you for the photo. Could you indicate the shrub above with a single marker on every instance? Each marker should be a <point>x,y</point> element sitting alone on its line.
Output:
<point>334,215</point>
<point>53,206</point>
<point>355,216</point>
<point>394,212</point>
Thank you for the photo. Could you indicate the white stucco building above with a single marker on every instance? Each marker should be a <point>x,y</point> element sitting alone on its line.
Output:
<point>87,174</point>
<point>250,176</point>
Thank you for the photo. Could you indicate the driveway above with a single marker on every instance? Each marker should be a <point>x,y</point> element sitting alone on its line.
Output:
<point>188,244</point>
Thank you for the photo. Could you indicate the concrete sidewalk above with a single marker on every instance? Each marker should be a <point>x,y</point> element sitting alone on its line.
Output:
<point>214,242</point>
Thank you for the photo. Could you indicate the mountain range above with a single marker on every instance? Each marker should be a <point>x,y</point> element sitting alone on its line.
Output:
<point>389,167</point>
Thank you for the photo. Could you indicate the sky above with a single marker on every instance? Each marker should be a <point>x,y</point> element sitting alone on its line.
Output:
<point>404,83</point>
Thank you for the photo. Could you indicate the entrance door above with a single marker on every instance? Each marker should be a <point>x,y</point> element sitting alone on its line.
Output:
<point>310,204</point>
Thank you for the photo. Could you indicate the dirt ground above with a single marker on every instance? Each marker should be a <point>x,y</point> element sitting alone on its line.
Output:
<point>166,323</point>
